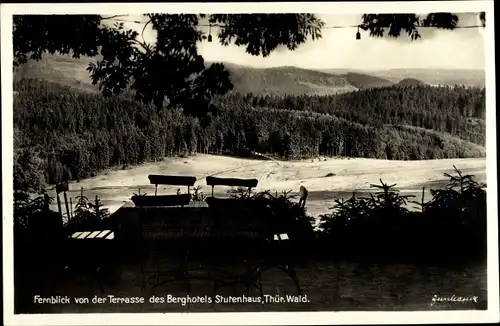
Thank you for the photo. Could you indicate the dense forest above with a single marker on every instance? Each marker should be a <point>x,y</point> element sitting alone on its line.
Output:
<point>459,111</point>
<point>60,133</point>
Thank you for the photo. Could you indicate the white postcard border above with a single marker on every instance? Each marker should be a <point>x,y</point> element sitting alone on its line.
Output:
<point>268,318</point>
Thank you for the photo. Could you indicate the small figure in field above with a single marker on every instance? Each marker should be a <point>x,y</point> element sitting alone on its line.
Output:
<point>303,196</point>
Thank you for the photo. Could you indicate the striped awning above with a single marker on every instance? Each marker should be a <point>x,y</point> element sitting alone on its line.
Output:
<point>104,234</point>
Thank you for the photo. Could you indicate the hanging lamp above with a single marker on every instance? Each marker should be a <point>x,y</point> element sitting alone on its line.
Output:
<point>209,33</point>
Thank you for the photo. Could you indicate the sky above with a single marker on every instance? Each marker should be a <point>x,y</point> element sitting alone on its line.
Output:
<point>339,49</point>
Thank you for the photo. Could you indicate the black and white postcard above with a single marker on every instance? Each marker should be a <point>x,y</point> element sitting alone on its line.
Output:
<point>249,163</point>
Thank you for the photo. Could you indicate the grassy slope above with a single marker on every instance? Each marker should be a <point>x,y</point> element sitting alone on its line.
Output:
<point>63,70</point>
<point>285,80</point>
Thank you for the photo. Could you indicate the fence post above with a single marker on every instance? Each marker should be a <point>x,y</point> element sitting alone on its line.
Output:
<point>66,204</point>
<point>46,202</point>
<point>96,207</point>
<point>59,204</point>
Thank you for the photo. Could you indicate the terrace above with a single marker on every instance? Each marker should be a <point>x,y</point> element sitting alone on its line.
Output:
<point>170,248</point>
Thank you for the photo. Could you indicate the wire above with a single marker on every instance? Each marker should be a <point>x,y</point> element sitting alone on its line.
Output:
<point>417,26</point>
<point>126,21</point>
<point>355,26</point>
<point>324,27</point>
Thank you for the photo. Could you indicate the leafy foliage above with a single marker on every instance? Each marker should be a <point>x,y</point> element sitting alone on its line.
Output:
<point>170,71</point>
<point>263,33</point>
<point>395,24</point>
<point>33,35</point>
<point>25,207</point>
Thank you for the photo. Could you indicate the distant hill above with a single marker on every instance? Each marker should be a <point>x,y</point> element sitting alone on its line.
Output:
<point>63,70</point>
<point>286,80</point>
<point>365,81</point>
<point>293,80</point>
<point>360,79</point>
<point>449,77</point>
<point>408,82</point>
<point>71,72</point>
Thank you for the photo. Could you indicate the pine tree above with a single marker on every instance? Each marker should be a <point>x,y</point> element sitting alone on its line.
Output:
<point>81,213</point>
<point>96,213</point>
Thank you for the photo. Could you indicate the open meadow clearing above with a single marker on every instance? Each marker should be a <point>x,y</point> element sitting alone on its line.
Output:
<point>115,187</point>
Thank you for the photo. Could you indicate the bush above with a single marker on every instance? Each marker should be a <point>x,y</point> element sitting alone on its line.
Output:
<point>286,216</point>
<point>88,216</point>
<point>382,226</point>
<point>451,225</point>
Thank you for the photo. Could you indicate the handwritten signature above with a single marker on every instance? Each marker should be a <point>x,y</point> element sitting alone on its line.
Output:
<point>453,298</point>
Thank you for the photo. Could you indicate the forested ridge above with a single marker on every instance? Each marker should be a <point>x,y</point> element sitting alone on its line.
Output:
<point>65,134</point>
<point>457,110</point>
